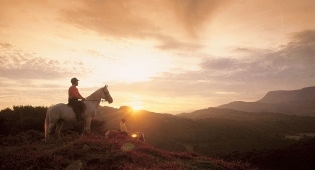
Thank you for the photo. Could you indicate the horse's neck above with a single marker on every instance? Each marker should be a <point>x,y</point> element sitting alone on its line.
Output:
<point>94,98</point>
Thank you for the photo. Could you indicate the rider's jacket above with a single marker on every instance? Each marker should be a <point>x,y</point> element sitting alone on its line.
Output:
<point>74,93</point>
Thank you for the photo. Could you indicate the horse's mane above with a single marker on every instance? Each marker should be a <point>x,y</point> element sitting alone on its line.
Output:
<point>96,94</point>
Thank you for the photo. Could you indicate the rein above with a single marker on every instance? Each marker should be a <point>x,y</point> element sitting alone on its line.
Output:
<point>102,100</point>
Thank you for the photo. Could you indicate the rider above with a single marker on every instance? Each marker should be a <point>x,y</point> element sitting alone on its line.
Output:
<point>74,95</point>
<point>123,128</point>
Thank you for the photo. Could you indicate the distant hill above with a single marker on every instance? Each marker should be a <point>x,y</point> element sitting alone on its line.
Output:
<point>209,131</point>
<point>294,102</point>
<point>233,115</point>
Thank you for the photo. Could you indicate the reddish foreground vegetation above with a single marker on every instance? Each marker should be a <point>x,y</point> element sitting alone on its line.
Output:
<point>96,152</point>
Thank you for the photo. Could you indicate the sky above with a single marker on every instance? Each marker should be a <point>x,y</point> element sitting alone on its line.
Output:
<point>165,56</point>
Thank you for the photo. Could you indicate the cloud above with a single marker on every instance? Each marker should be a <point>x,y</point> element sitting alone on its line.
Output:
<point>301,49</point>
<point>219,64</point>
<point>17,64</point>
<point>141,19</point>
<point>123,17</point>
<point>5,45</point>
<point>290,67</point>
<point>170,43</point>
<point>169,22</point>
<point>193,14</point>
<point>293,60</point>
<point>110,18</point>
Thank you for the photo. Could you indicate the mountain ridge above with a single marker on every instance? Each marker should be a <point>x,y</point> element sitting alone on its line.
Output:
<point>304,94</point>
<point>292,102</point>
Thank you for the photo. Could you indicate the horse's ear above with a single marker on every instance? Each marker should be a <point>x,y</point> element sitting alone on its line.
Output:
<point>106,85</point>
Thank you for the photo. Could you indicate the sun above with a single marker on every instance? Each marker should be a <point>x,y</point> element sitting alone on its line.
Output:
<point>136,105</point>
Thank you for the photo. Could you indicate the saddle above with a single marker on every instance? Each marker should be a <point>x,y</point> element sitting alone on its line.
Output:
<point>82,107</point>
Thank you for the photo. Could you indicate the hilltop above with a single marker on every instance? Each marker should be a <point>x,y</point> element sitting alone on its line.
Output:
<point>96,152</point>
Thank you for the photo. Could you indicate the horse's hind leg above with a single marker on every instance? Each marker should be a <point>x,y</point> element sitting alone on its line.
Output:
<point>59,125</point>
<point>48,130</point>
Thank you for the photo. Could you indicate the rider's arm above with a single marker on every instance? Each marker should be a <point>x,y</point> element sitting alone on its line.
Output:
<point>74,93</point>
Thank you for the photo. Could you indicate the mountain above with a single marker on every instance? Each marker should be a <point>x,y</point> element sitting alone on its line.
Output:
<point>304,94</point>
<point>294,102</point>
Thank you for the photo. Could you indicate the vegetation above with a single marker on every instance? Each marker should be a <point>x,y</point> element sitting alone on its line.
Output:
<point>256,138</point>
<point>24,118</point>
<point>21,118</point>
<point>95,152</point>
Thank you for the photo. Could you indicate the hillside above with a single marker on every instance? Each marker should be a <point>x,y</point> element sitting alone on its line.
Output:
<point>210,131</point>
<point>230,114</point>
<point>298,156</point>
<point>294,102</point>
<point>95,152</point>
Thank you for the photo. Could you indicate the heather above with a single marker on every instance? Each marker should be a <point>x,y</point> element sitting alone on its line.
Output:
<point>93,151</point>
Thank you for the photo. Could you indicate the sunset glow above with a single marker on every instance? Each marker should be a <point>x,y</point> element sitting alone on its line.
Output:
<point>162,56</point>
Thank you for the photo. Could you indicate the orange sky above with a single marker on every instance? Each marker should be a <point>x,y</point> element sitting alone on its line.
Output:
<point>166,56</point>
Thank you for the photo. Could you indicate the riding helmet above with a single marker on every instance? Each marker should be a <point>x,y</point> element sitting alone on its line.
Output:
<point>74,80</point>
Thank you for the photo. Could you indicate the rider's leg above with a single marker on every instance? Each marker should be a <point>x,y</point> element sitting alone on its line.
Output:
<point>76,108</point>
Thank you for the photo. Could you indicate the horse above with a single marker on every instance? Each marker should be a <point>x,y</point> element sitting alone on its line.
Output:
<point>113,133</point>
<point>57,114</point>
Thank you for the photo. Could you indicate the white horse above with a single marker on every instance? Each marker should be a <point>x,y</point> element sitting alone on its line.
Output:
<point>61,112</point>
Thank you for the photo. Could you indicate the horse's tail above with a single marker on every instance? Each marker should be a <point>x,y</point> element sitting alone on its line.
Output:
<point>46,124</point>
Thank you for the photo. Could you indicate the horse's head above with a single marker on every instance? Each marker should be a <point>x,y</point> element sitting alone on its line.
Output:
<point>106,95</point>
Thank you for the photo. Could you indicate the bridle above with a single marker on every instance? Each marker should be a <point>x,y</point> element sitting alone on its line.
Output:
<point>105,93</point>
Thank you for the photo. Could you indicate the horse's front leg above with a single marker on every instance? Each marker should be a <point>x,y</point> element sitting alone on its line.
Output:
<point>87,124</point>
